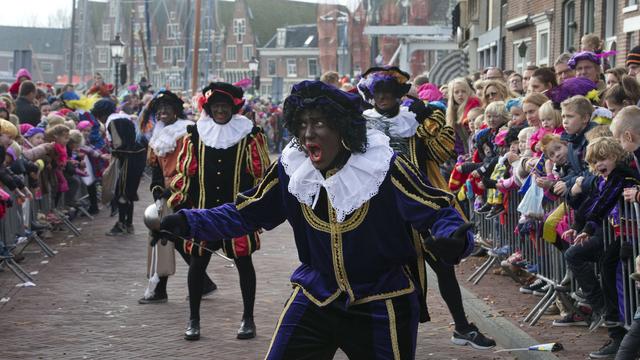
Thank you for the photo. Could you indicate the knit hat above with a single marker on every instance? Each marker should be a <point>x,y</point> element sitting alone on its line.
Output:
<point>33,131</point>
<point>429,92</point>
<point>583,55</point>
<point>24,128</point>
<point>633,56</point>
<point>103,107</point>
<point>7,128</point>
<point>571,87</point>
<point>602,116</point>
<point>83,125</point>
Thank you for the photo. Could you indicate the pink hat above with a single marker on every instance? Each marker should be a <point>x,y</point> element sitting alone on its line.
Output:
<point>24,128</point>
<point>83,125</point>
<point>429,92</point>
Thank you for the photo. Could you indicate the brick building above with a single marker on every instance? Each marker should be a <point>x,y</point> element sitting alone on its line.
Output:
<point>536,32</point>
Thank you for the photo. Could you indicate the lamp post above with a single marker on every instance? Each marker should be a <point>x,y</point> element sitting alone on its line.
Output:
<point>253,68</point>
<point>117,53</point>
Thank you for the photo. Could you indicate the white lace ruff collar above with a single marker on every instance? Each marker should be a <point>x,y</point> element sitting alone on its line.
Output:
<point>164,138</point>
<point>349,188</point>
<point>224,136</point>
<point>403,125</point>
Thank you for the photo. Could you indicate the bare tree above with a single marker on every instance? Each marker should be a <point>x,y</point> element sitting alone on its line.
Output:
<point>30,20</point>
<point>60,19</point>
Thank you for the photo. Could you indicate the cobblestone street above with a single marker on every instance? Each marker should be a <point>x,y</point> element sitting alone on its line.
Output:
<point>85,303</point>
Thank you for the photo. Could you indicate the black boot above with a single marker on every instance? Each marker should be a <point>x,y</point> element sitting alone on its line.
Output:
<point>193,330</point>
<point>247,329</point>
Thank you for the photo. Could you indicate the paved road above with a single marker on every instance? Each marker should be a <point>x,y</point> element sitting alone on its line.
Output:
<point>84,305</point>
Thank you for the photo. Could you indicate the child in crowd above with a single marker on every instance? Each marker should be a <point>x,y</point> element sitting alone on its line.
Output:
<point>92,160</point>
<point>626,129</point>
<point>461,101</point>
<point>530,106</point>
<point>551,123</point>
<point>514,107</point>
<point>618,96</point>
<point>497,115</point>
<point>59,135</point>
<point>606,159</point>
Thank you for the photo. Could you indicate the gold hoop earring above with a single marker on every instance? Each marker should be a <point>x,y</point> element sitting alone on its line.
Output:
<point>345,145</point>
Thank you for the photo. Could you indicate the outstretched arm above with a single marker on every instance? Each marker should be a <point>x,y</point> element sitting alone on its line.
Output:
<point>258,208</point>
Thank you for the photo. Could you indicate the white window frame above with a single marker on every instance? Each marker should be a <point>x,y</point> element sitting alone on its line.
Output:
<point>543,26</point>
<point>173,31</point>
<point>169,52</point>
<point>106,32</point>
<point>113,6</point>
<point>141,11</point>
<point>292,67</point>
<point>565,25</point>
<point>247,50</point>
<point>103,54</point>
<point>309,60</point>
<point>610,18</point>
<point>239,29</point>
<point>231,49</point>
<point>588,18</point>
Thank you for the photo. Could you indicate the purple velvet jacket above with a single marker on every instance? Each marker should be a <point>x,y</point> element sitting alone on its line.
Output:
<point>366,257</point>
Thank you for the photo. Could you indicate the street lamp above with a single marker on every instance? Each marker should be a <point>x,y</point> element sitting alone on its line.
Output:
<point>117,53</point>
<point>253,68</point>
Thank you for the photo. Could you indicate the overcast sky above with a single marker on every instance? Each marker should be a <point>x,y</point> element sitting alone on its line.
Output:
<point>42,13</point>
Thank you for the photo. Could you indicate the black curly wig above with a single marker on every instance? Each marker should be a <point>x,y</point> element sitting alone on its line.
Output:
<point>343,112</point>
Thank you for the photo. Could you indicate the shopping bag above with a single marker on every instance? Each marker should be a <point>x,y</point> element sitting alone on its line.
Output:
<point>531,203</point>
<point>109,181</point>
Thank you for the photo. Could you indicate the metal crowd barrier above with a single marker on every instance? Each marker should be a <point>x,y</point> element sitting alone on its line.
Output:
<point>628,228</point>
<point>550,265</point>
<point>16,224</point>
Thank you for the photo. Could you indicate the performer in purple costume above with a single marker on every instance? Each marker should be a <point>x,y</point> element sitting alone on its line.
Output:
<point>352,203</point>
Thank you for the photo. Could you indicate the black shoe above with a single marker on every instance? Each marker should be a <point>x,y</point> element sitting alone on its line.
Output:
<point>495,211</point>
<point>193,330</point>
<point>36,226</point>
<point>93,211</point>
<point>474,338</point>
<point>536,285</point>
<point>155,299</point>
<point>247,329</point>
<point>484,209</point>
<point>117,230</point>
<point>130,229</point>
<point>608,350</point>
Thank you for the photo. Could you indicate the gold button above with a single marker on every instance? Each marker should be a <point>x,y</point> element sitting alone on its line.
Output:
<point>218,172</point>
<point>219,160</point>
<point>217,187</point>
